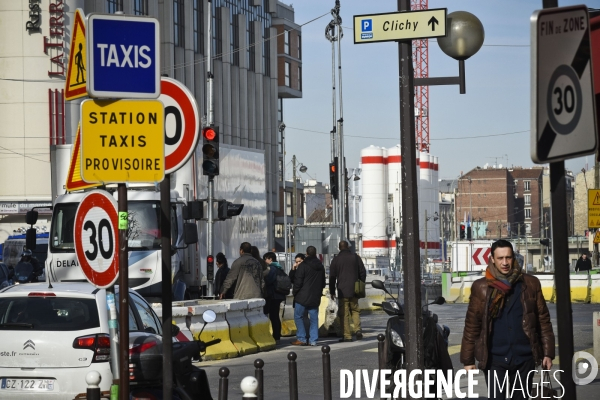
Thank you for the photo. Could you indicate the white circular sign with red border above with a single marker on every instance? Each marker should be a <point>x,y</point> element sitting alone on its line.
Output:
<point>182,123</point>
<point>97,237</point>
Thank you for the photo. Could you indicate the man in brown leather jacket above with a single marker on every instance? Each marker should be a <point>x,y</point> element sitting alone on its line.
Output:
<point>507,327</point>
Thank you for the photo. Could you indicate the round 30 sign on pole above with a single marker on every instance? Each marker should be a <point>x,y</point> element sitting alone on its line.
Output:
<point>182,123</point>
<point>97,238</point>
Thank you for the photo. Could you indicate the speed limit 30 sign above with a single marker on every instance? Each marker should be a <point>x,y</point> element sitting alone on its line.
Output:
<point>96,238</point>
<point>563,123</point>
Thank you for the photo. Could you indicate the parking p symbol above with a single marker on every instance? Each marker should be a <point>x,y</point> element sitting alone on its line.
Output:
<point>367,25</point>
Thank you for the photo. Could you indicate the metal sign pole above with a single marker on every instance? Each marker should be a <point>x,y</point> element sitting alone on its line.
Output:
<point>410,207</point>
<point>123,297</point>
<point>167,296</point>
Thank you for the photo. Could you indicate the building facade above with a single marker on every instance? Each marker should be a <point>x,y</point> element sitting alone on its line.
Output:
<point>245,43</point>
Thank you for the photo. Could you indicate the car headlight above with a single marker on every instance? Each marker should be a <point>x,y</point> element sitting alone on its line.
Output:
<point>396,339</point>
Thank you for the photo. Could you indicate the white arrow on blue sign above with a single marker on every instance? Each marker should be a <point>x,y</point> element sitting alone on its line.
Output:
<point>123,54</point>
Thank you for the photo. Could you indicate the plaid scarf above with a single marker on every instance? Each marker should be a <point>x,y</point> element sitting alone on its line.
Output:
<point>500,285</point>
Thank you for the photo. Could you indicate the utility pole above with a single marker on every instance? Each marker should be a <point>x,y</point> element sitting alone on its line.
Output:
<point>426,259</point>
<point>294,209</point>
<point>210,118</point>
<point>285,222</point>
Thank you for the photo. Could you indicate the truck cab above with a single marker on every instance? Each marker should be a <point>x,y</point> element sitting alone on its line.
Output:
<point>144,242</point>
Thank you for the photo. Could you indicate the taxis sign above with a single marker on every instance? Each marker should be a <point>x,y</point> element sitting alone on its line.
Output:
<point>400,26</point>
<point>593,208</point>
<point>122,141</point>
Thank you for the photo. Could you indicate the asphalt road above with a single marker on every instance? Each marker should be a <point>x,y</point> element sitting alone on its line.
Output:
<point>363,355</point>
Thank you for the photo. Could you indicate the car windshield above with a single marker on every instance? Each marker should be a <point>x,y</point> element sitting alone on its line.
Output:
<point>61,234</point>
<point>143,232</point>
<point>48,313</point>
<point>144,225</point>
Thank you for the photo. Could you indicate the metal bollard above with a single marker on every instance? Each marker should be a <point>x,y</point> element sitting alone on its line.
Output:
<point>258,374</point>
<point>93,379</point>
<point>249,386</point>
<point>223,382</point>
<point>326,372</point>
<point>293,375</point>
<point>380,350</point>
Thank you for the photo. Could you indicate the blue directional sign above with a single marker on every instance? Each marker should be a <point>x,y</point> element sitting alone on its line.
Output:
<point>123,54</point>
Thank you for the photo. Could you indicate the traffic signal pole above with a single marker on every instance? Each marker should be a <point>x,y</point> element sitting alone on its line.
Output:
<point>209,122</point>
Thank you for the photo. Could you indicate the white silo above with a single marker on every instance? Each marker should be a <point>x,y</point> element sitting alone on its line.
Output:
<point>374,202</point>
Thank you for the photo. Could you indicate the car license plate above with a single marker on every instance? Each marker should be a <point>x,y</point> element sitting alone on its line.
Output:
<point>27,384</point>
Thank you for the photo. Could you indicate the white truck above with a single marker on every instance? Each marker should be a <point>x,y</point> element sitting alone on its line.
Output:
<point>241,180</point>
<point>473,256</point>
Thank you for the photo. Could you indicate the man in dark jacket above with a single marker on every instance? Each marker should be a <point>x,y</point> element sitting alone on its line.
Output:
<point>222,271</point>
<point>273,298</point>
<point>583,264</point>
<point>309,282</point>
<point>346,268</point>
<point>246,275</point>
<point>507,327</point>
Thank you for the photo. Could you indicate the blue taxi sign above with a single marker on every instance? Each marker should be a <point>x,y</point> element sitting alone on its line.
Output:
<point>123,54</point>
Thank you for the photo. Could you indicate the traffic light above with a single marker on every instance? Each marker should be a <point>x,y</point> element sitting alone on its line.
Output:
<point>210,268</point>
<point>545,242</point>
<point>469,233</point>
<point>333,178</point>
<point>193,210</point>
<point>227,209</point>
<point>462,231</point>
<point>210,151</point>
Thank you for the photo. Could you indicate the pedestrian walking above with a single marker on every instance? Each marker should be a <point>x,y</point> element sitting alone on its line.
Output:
<point>309,282</point>
<point>345,269</point>
<point>274,295</point>
<point>222,271</point>
<point>507,327</point>
<point>583,264</point>
<point>245,276</point>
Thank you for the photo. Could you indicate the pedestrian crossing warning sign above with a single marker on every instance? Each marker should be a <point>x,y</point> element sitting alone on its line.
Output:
<point>74,179</point>
<point>597,237</point>
<point>593,208</point>
<point>75,85</point>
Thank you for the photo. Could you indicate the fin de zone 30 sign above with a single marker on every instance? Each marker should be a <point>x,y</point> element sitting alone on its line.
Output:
<point>122,141</point>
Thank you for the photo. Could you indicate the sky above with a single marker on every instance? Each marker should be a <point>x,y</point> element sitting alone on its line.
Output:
<point>495,109</point>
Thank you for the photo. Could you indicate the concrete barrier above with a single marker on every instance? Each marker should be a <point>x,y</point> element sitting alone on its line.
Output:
<point>454,292</point>
<point>372,296</point>
<point>259,325</point>
<point>580,292</point>
<point>239,329</point>
<point>465,291</point>
<point>288,326</point>
<point>547,284</point>
<point>595,289</point>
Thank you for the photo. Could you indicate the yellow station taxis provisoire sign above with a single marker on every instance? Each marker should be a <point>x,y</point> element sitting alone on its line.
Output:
<point>122,141</point>
<point>400,26</point>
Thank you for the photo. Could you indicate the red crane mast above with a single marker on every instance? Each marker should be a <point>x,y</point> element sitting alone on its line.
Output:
<point>420,54</point>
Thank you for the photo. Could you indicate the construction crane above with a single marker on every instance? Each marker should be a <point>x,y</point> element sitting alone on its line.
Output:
<point>420,52</point>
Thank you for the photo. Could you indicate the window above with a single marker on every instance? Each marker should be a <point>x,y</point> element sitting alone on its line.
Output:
<point>278,230</point>
<point>143,232</point>
<point>280,170</point>
<point>251,49</point>
<point>267,52</point>
<point>287,74</point>
<point>527,213</point>
<point>280,110</point>
<point>178,23</point>
<point>113,6</point>
<point>198,26</point>
<point>150,324</point>
<point>63,221</point>
<point>49,313</point>
<point>217,34</point>
<point>288,207</point>
<point>299,78</point>
<point>140,7</point>
<point>527,185</point>
<point>234,42</point>
<point>286,42</point>
<point>527,199</point>
<point>299,47</point>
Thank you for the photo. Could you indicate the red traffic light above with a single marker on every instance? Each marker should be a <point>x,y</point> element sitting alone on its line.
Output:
<point>209,133</point>
<point>210,259</point>
<point>332,168</point>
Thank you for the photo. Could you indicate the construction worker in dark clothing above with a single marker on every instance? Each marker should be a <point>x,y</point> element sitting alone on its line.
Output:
<point>583,264</point>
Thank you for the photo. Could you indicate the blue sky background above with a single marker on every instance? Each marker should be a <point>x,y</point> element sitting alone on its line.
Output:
<point>497,82</point>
